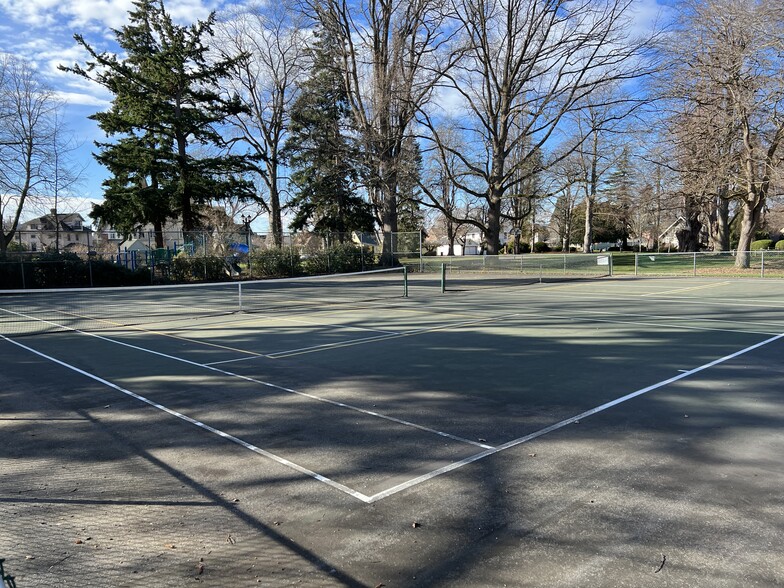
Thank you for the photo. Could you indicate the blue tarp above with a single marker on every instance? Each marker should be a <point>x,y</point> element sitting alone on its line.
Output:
<point>239,248</point>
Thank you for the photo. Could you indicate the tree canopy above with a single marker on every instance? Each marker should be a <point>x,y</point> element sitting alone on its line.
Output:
<point>168,155</point>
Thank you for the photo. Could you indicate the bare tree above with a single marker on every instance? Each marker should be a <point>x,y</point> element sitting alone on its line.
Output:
<point>28,131</point>
<point>731,80</point>
<point>526,64</point>
<point>273,39</point>
<point>392,51</point>
<point>441,193</point>
<point>63,173</point>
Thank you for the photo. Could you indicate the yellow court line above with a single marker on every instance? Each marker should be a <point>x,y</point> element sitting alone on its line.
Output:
<point>679,290</point>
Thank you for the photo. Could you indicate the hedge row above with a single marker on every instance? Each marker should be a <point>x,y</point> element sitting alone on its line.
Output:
<point>51,270</point>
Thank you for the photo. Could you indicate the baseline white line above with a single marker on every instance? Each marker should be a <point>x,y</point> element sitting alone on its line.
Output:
<point>281,460</point>
<point>565,422</point>
<point>261,382</point>
<point>665,325</point>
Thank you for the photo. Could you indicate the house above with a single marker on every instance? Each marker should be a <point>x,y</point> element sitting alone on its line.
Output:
<point>470,244</point>
<point>65,232</point>
<point>111,240</point>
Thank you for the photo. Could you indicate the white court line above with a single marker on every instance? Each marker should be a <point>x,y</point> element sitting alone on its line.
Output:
<point>609,297</point>
<point>415,481</point>
<point>350,342</point>
<point>565,317</point>
<point>688,289</point>
<point>201,425</point>
<point>563,423</point>
<point>665,325</point>
<point>261,382</point>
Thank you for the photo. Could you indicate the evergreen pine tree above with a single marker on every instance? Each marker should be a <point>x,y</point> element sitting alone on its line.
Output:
<point>166,103</point>
<point>322,151</point>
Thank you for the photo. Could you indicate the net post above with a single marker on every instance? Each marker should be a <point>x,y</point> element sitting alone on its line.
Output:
<point>443,278</point>
<point>695,263</point>
<point>239,296</point>
<point>405,281</point>
<point>21,263</point>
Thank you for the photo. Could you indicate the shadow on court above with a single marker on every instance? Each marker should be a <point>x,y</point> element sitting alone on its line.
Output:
<point>681,486</point>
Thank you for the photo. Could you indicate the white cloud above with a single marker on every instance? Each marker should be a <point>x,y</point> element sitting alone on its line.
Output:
<point>80,99</point>
<point>93,14</point>
<point>647,15</point>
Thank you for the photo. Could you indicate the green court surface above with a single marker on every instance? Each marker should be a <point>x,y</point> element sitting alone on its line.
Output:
<point>599,432</point>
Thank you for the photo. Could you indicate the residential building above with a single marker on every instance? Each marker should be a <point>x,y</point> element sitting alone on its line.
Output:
<point>66,232</point>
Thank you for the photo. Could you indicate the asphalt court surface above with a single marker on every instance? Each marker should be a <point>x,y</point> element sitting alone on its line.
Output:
<point>378,400</point>
<point>456,376</point>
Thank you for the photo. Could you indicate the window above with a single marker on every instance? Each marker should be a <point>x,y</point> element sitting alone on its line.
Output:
<point>69,236</point>
<point>33,246</point>
<point>34,227</point>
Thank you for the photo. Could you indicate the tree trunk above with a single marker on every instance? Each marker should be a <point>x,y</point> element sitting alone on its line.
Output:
<point>689,236</point>
<point>276,221</point>
<point>588,238</point>
<point>718,223</point>
<point>752,213</point>
<point>493,234</point>
<point>157,227</point>
<point>388,208</point>
<point>590,197</point>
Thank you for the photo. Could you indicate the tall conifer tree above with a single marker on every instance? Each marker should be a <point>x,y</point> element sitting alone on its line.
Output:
<point>322,151</point>
<point>166,103</point>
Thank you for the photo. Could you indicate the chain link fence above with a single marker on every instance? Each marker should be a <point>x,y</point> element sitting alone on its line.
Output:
<point>90,259</point>
<point>760,264</point>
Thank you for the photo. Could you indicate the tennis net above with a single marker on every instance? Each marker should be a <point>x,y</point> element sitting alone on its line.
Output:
<point>27,312</point>
<point>494,271</point>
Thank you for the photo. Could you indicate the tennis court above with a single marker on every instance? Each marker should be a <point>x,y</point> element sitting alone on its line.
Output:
<point>371,430</point>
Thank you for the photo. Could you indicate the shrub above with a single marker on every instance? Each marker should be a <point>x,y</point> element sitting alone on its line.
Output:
<point>184,268</point>
<point>780,245</point>
<point>541,247</point>
<point>761,244</point>
<point>275,263</point>
<point>56,270</point>
<point>106,273</point>
<point>338,259</point>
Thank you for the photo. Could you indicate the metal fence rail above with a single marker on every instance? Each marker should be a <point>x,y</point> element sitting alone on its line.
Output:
<point>762,264</point>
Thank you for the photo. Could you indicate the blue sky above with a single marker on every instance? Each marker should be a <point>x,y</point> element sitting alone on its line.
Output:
<point>41,31</point>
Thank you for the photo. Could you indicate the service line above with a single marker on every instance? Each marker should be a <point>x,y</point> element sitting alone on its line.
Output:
<point>564,423</point>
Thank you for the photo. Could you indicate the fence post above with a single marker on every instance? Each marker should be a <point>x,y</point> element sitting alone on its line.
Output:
<point>636,263</point>
<point>443,278</point>
<point>762,270</point>
<point>405,281</point>
<point>610,262</point>
<point>695,263</point>
<point>421,261</point>
<point>250,251</point>
<point>21,263</point>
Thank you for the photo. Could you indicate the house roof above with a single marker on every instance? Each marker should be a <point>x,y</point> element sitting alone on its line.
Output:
<point>49,222</point>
